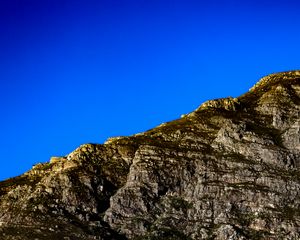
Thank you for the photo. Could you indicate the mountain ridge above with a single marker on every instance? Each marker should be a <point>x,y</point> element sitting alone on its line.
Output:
<point>228,170</point>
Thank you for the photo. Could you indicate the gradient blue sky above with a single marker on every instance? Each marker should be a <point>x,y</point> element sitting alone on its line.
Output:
<point>74,72</point>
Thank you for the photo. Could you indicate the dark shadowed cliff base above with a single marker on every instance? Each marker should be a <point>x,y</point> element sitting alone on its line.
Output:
<point>228,170</point>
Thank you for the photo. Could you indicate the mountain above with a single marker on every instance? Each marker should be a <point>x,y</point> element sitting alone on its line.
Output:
<point>228,170</point>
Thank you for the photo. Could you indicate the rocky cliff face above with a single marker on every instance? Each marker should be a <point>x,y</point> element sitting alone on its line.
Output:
<point>228,170</point>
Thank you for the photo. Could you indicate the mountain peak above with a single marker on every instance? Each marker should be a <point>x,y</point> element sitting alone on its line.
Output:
<point>264,85</point>
<point>275,78</point>
<point>228,170</point>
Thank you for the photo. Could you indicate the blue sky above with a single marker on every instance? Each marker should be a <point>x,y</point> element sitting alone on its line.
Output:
<point>74,72</point>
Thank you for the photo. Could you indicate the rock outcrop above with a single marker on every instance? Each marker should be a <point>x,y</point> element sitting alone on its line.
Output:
<point>228,170</point>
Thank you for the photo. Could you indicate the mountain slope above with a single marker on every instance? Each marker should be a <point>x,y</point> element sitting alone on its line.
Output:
<point>228,170</point>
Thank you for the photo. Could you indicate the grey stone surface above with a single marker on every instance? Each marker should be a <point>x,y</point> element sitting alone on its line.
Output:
<point>228,170</point>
